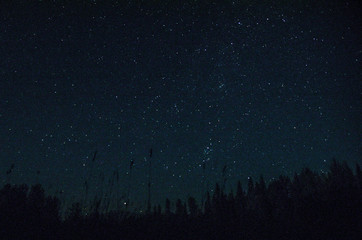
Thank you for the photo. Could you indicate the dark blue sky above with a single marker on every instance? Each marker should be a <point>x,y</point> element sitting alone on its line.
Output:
<point>264,89</point>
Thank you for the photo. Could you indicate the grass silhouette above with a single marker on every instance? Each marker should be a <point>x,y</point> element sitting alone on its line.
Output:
<point>307,206</point>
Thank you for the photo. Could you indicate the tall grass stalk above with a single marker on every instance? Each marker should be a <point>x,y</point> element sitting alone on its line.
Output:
<point>224,177</point>
<point>203,184</point>
<point>129,182</point>
<point>88,180</point>
<point>9,173</point>
<point>149,182</point>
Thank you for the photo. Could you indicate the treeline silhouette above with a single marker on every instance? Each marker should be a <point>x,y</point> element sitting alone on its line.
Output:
<point>306,206</point>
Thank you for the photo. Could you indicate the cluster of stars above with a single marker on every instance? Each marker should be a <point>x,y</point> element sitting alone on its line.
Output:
<point>259,93</point>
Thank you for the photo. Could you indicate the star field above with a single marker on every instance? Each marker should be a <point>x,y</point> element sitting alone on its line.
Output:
<point>265,89</point>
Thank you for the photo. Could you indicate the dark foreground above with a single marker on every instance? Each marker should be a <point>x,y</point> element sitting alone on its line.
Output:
<point>308,206</point>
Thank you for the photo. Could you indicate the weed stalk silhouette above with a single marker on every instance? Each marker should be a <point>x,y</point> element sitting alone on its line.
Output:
<point>149,183</point>
<point>129,182</point>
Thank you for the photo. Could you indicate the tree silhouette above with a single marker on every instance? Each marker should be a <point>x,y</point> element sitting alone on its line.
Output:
<point>308,206</point>
<point>193,208</point>
<point>168,206</point>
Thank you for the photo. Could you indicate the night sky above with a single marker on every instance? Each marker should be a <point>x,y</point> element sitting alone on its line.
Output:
<point>264,88</point>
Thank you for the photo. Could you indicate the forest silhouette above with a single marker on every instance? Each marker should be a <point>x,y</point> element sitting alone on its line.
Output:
<point>306,206</point>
